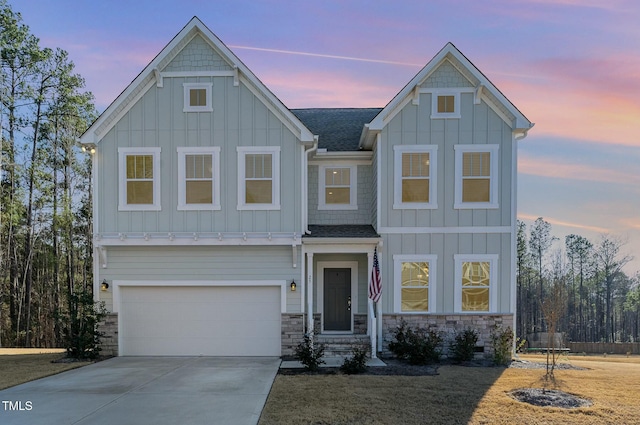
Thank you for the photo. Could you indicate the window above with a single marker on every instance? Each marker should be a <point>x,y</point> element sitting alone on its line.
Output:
<point>475,283</point>
<point>476,176</point>
<point>415,177</point>
<point>337,187</point>
<point>415,279</point>
<point>445,105</point>
<point>139,187</point>
<point>197,97</point>
<point>258,178</point>
<point>199,178</point>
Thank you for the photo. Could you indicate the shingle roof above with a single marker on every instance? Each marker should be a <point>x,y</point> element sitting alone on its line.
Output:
<point>339,129</point>
<point>342,231</point>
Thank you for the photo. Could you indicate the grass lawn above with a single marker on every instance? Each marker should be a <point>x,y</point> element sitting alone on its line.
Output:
<point>19,365</point>
<point>459,395</point>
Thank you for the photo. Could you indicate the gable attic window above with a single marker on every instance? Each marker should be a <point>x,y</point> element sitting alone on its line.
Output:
<point>476,168</point>
<point>258,177</point>
<point>139,179</point>
<point>197,97</point>
<point>199,178</point>
<point>415,170</point>
<point>445,105</point>
<point>337,187</point>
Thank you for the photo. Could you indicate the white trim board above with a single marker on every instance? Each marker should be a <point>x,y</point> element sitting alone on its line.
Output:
<point>116,284</point>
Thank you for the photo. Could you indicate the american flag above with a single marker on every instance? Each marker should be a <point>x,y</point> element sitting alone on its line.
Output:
<point>375,284</point>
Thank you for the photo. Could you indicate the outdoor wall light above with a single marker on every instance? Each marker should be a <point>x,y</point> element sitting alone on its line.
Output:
<point>89,147</point>
<point>293,286</point>
<point>104,285</point>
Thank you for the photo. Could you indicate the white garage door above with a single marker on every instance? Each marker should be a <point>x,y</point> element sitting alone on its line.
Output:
<point>194,321</point>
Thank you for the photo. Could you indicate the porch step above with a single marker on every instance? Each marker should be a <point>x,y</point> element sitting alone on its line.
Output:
<point>342,345</point>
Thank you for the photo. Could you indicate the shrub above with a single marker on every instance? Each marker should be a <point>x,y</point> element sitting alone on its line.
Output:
<point>463,347</point>
<point>81,336</point>
<point>310,354</point>
<point>417,346</point>
<point>502,341</point>
<point>355,364</point>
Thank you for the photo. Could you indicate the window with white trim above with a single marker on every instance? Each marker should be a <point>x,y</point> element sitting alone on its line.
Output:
<point>414,283</point>
<point>475,282</point>
<point>199,178</point>
<point>139,179</point>
<point>415,170</point>
<point>445,105</point>
<point>258,177</point>
<point>337,187</point>
<point>476,184</point>
<point>197,97</point>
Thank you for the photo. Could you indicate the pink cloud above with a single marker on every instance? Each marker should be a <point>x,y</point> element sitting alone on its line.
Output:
<point>558,222</point>
<point>547,167</point>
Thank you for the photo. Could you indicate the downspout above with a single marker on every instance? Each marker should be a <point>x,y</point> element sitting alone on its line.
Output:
<point>305,184</point>
<point>514,231</point>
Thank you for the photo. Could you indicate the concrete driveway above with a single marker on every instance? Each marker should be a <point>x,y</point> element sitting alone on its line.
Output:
<point>146,390</point>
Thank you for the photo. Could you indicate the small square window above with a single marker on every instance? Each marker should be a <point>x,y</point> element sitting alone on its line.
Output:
<point>445,104</point>
<point>197,97</point>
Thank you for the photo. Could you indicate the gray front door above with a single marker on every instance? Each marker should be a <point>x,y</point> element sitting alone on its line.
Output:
<point>337,299</point>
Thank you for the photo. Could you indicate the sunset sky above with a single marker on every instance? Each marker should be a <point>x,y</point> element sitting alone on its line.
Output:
<point>571,66</point>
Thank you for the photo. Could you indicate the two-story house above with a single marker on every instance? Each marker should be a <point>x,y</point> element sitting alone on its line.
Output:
<point>227,224</point>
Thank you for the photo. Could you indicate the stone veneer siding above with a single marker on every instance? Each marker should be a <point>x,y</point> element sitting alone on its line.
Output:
<point>449,325</point>
<point>109,340</point>
<point>292,332</point>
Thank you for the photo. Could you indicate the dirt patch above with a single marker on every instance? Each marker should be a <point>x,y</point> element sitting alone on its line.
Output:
<point>549,398</point>
<point>524,364</point>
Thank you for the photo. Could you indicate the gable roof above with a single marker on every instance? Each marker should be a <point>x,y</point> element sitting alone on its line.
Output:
<point>152,74</point>
<point>484,89</point>
<point>339,129</point>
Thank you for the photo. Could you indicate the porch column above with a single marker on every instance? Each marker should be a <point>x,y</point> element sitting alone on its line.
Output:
<point>310,293</point>
<point>379,303</point>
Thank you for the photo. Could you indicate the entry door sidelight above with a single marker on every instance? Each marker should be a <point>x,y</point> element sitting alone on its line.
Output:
<point>337,300</point>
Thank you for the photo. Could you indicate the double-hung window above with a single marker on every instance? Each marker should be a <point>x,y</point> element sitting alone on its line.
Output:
<point>199,178</point>
<point>139,179</point>
<point>476,183</point>
<point>258,178</point>
<point>475,279</point>
<point>414,283</point>
<point>415,170</point>
<point>337,187</point>
<point>197,97</point>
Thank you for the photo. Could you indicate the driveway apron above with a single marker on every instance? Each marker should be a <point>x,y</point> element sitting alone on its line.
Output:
<point>146,390</point>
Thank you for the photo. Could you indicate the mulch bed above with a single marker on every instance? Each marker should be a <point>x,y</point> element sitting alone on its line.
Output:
<point>549,398</point>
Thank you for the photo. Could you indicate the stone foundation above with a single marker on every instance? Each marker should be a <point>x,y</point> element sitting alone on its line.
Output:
<point>449,325</point>
<point>109,340</point>
<point>292,332</point>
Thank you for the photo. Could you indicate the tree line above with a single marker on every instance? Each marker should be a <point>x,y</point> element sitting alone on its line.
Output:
<point>45,209</point>
<point>575,286</point>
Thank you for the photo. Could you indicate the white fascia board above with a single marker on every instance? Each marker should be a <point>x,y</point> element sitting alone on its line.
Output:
<point>196,239</point>
<point>347,158</point>
<point>190,30</point>
<point>406,94</point>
